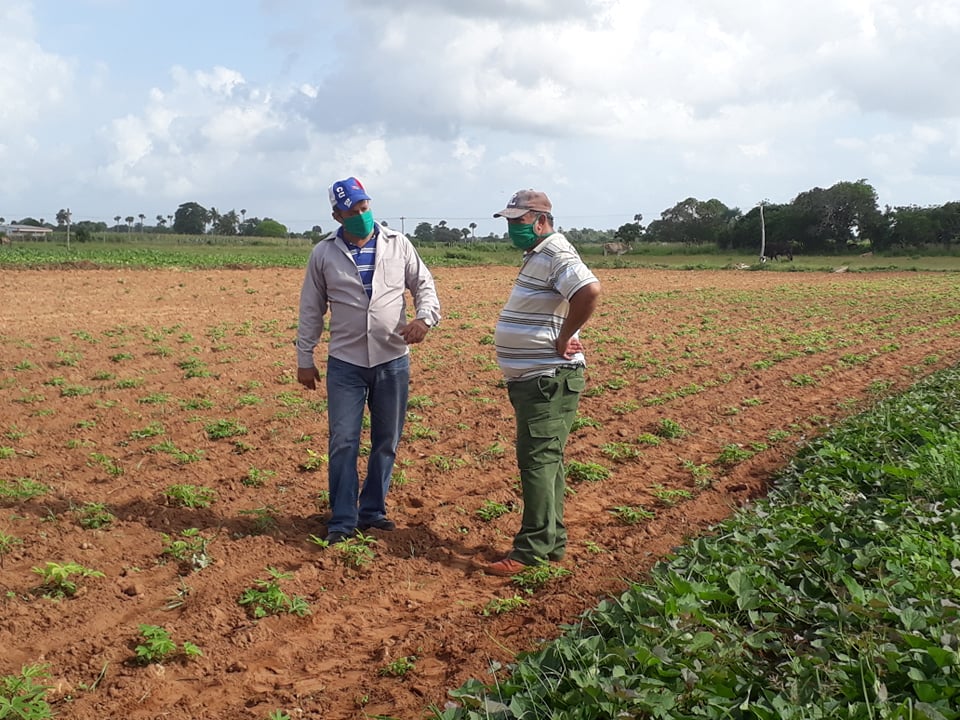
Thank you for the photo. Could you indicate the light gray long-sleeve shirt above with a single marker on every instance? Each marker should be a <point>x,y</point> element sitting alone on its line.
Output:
<point>363,331</point>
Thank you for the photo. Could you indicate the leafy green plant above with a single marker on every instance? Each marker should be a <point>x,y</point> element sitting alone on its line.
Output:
<point>15,433</point>
<point>582,421</point>
<point>399,667</point>
<point>190,549</point>
<point>190,496</point>
<point>631,515</point>
<point>499,606</point>
<point>57,579</point>
<point>181,456</point>
<point>357,551</point>
<point>669,429</point>
<point>732,454</point>
<point>620,451</point>
<point>24,696</point>
<point>157,646</point>
<point>22,489</point>
<point>256,477</point>
<point>670,496</point>
<point>193,367</point>
<point>7,452</point>
<point>220,429</point>
<point>586,471</point>
<point>111,465</point>
<point>7,543</point>
<point>315,461</point>
<point>94,516</point>
<point>491,510</point>
<point>268,599</point>
<point>702,474</point>
<point>152,430</point>
<point>535,577</point>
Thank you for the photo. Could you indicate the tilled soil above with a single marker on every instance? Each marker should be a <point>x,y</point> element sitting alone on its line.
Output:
<point>113,384</point>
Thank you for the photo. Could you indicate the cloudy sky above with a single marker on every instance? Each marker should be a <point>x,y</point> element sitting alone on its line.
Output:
<point>444,108</point>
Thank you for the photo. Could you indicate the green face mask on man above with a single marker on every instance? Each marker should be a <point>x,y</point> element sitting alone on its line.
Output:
<point>523,236</point>
<point>359,225</point>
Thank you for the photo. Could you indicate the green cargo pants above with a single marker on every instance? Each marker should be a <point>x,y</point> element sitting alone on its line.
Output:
<point>545,409</point>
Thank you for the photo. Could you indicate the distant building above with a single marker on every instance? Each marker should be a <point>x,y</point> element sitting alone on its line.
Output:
<point>25,232</point>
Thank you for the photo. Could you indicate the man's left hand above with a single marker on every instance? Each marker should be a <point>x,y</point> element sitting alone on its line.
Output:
<point>414,332</point>
<point>567,349</point>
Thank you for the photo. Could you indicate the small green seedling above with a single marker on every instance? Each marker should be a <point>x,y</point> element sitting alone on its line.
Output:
<point>158,646</point>
<point>499,606</point>
<point>491,510</point>
<point>22,488</point>
<point>190,496</point>
<point>6,544</point>
<point>268,599</point>
<point>399,667</point>
<point>537,576</point>
<point>357,550</point>
<point>631,515</point>
<point>57,579</point>
<point>669,429</point>
<point>586,472</point>
<point>94,516</point>
<point>190,549</point>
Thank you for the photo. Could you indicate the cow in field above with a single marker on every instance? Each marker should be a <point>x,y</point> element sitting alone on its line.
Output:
<point>779,252</point>
<point>615,248</point>
<point>4,240</point>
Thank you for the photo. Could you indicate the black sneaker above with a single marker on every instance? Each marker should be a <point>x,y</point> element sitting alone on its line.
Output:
<point>335,537</point>
<point>381,524</point>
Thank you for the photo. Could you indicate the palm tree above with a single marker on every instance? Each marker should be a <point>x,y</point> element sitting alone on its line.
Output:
<point>161,221</point>
<point>129,219</point>
<point>473,230</point>
<point>116,221</point>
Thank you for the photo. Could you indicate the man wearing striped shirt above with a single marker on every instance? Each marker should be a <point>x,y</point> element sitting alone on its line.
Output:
<point>360,274</point>
<point>541,356</point>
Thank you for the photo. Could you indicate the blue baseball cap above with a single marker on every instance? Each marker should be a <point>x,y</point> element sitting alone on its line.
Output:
<point>344,194</point>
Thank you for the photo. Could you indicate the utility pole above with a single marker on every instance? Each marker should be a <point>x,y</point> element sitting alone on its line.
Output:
<point>763,236</point>
<point>401,225</point>
<point>68,228</point>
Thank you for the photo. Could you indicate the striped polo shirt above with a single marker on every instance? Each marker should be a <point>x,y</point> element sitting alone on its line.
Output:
<point>366,259</point>
<point>530,322</point>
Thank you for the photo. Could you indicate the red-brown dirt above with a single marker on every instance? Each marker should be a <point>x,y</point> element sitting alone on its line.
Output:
<point>90,359</point>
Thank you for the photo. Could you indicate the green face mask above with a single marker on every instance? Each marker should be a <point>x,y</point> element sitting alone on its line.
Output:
<point>359,225</point>
<point>522,235</point>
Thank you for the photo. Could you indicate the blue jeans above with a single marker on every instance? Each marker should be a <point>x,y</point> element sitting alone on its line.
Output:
<point>384,389</point>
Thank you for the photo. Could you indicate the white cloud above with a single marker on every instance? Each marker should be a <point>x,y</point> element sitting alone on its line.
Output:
<point>446,107</point>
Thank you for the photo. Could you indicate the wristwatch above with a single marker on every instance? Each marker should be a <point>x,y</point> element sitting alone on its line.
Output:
<point>428,322</point>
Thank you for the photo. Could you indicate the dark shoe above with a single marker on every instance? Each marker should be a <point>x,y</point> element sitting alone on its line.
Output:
<point>505,568</point>
<point>333,538</point>
<point>557,556</point>
<point>381,524</point>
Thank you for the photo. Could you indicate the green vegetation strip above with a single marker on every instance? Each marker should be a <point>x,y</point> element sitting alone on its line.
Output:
<point>835,597</point>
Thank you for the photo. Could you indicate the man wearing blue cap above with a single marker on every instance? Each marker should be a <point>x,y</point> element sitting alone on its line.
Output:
<point>360,273</point>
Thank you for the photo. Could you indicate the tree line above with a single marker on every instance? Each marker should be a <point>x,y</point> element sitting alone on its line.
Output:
<point>843,217</point>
